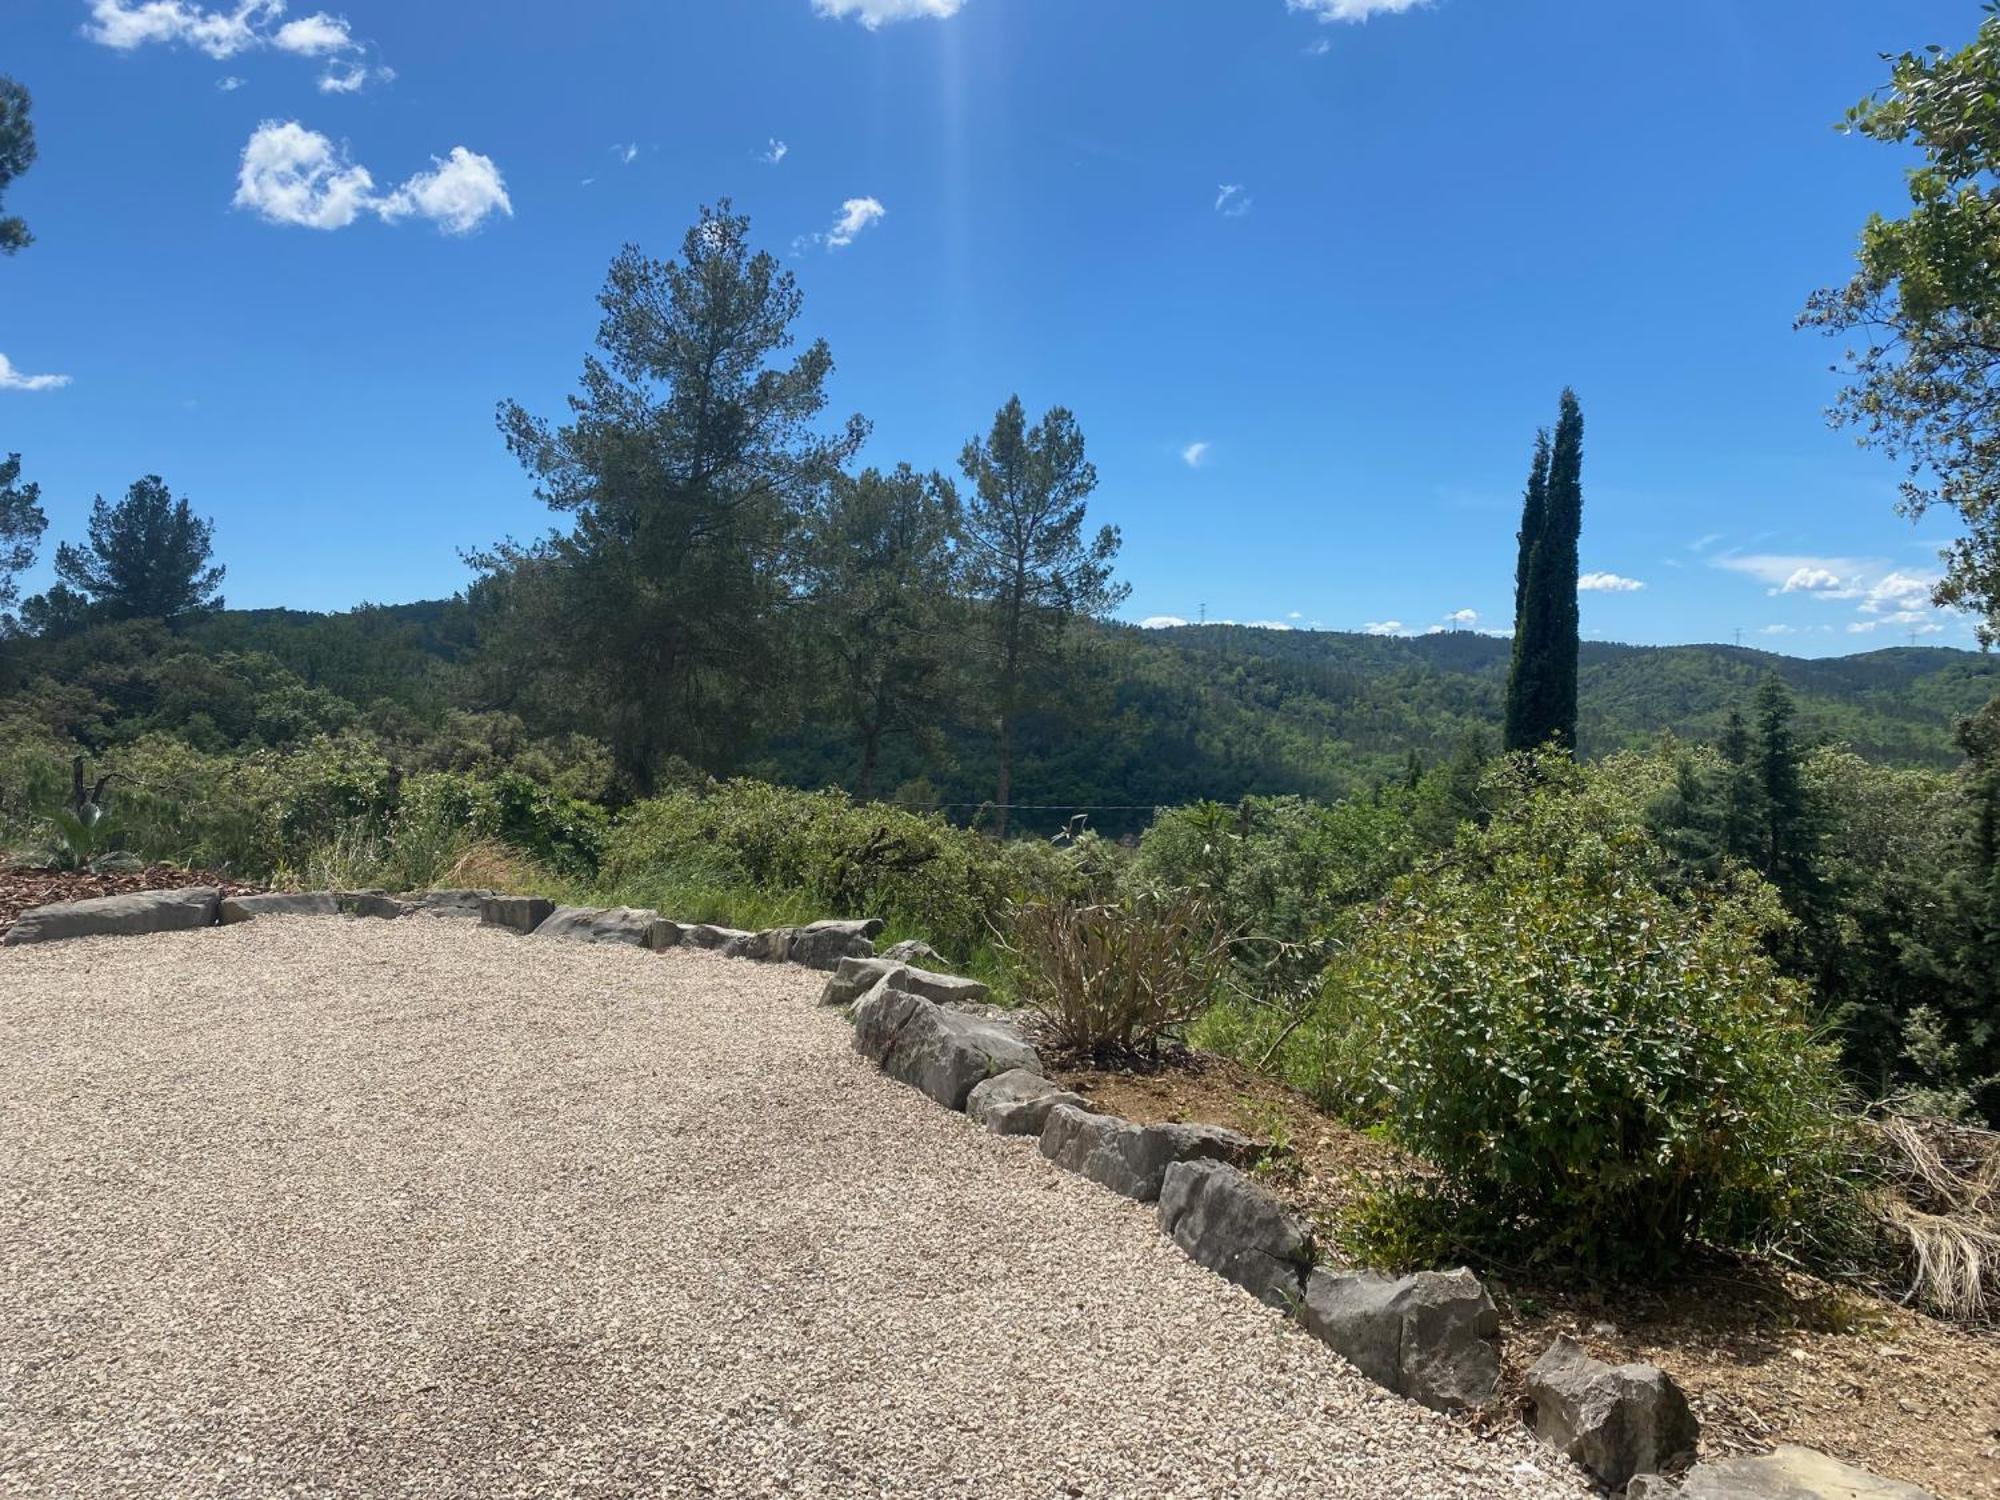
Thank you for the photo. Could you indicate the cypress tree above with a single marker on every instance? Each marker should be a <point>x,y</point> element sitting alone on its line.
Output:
<point>1541,686</point>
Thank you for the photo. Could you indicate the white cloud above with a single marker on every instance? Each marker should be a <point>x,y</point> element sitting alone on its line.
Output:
<point>1267,625</point>
<point>316,35</point>
<point>1231,201</point>
<point>230,84</point>
<point>1608,583</point>
<point>1914,621</point>
<point>1297,614</point>
<point>247,26</point>
<point>1779,630</point>
<point>1353,10</point>
<point>12,379</point>
<point>1193,454</point>
<point>1900,591</point>
<point>626,154</point>
<point>1823,577</point>
<point>856,214</point>
<point>1319,46</point>
<point>873,13</point>
<point>1462,619</point>
<point>1383,627</point>
<point>292,175</point>
<point>774,153</point>
<point>1161,622</point>
<point>458,194</point>
<point>128,24</point>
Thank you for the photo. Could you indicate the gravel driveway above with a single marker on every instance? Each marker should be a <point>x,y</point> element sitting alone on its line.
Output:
<point>327,1207</point>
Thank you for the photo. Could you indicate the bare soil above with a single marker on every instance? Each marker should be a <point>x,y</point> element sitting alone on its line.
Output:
<point>1766,1355</point>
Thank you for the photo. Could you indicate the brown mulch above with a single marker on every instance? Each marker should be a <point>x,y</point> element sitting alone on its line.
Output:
<point>1765,1355</point>
<point>22,890</point>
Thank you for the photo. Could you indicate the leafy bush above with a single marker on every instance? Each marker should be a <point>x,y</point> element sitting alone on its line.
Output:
<point>1115,979</point>
<point>1589,1064</point>
<point>839,858</point>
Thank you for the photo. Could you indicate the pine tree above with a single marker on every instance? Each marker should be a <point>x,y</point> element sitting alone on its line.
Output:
<point>21,527</point>
<point>17,154</point>
<point>1541,686</point>
<point>147,557</point>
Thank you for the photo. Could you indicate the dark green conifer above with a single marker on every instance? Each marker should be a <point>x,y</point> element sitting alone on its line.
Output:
<point>1541,687</point>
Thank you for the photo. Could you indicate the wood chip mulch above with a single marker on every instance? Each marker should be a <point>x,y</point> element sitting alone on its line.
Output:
<point>22,890</point>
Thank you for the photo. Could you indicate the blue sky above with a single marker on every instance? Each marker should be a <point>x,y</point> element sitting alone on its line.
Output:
<point>1310,276</point>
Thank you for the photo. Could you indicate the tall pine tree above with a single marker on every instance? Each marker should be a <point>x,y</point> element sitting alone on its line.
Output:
<point>1541,686</point>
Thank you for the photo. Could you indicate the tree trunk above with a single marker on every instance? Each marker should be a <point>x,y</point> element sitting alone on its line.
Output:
<point>864,781</point>
<point>1006,791</point>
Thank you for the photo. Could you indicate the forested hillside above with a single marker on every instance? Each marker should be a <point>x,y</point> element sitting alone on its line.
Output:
<point>1147,718</point>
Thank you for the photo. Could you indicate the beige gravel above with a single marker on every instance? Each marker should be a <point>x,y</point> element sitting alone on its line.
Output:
<point>322,1207</point>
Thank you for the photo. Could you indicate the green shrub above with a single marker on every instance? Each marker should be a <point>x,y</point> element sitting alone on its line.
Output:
<point>1589,1064</point>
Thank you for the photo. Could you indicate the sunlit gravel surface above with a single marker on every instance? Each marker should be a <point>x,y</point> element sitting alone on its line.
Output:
<point>344,1207</point>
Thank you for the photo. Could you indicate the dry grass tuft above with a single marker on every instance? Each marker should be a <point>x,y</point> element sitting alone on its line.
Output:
<point>1943,1198</point>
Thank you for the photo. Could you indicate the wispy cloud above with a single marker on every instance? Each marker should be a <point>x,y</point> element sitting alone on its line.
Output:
<point>294,176</point>
<point>228,31</point>
<point>856,215</point>
<point>626,153</point>
<point>874,13</point>
<point>1193,454</point>
<point>12,379</point>
<point>1882,595</point>
<point>773,153</point>
<point>1383,627</point>
<point>1608,583</point>
<point>1232,202</point>
<point>1161,622</point>
<point>1354,10</point>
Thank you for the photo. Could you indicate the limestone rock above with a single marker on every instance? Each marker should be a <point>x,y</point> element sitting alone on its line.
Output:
<point>941,1052</point>
<point>446,903</point>
<point>708,935</point>
<point>917,955</point>
<point>520,913</point>
<point>606,924</point>
<point>1237,1229</point>
<point>234,909</point>
<point>1429,1336</point>
<point>1791,1473</point>
<point>664,934</point>
<point>1017,1102</point>
<point>128,915</point>
<point>370,904</point>
<point>854,977</point>
<point>862,927</point>
<point>824,945</point>
<point>1132,1159</point>
<point>1615,1420</point>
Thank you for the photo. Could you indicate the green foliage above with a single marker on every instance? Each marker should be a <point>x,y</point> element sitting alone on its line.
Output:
<point>1926,298</point>
<point>1608,1071</point>
<point>1542,681</point>
<point>1116,978</point>
<point>689,461</point>
<point>842,858</point>
<point>147,557</point>
<point>17,154</point>
<point>21,519</point>
<point>1028,565</point>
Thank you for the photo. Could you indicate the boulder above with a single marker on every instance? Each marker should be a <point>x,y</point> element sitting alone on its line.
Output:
<point>664,934</point>
<point>1791,1473</point>
<point>1132,1159</point>
<point>599,924</point>
<point>128,915</point>
<point>1430,1337</point>
<point>519,913</point>
<point>940,1052</point>
<point>234,909</point>
<point>824,945</point>
<point>1615,1420</point>
<point>854,977</point>
<point>771,946</point>
<point>370,904</point>
<point>446,903</point>
<point>942,989</point>
<point>708,935</point>
<point>1650,1487</point>
<point>862,927</point>
<point>1017,1102</point>
<point>1237,1229</point>
<point>917,955</point>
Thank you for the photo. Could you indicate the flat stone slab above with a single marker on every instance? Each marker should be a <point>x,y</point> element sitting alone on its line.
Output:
<point>1017,1102</point>
<point>235,909</point>
<point>708,935</point>
<point>854,977</point>
<point>447,903</point>
<point>128,915</point>
<point>1615,1420</point>
<point>1429,1336</point>
<point>1791,1473</point>
<point>371,904</point>
<point>1132,1159</point>
<point>599,924</point>
<point>823,945</point>
<point>1237,1229</point>
<point>518,913</point>
<point>941,1052</point>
